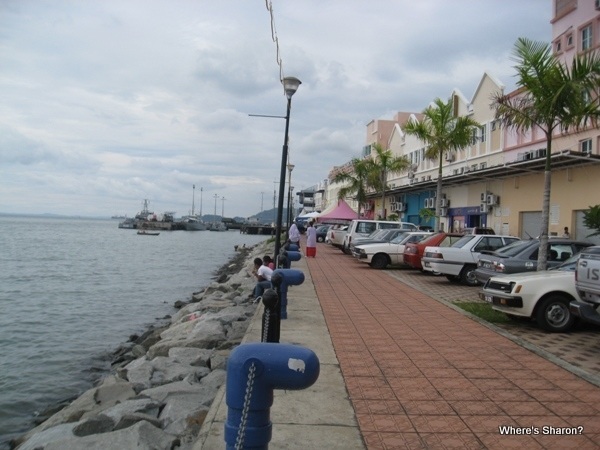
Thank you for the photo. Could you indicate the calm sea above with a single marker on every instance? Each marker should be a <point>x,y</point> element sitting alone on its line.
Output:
<point>72,290</point>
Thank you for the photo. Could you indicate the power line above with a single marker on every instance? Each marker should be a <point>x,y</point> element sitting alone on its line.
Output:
<point>275,38</point>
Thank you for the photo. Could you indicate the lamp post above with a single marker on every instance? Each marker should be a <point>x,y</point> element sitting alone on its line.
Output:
<point>290,86</point>
<point>290,167</point>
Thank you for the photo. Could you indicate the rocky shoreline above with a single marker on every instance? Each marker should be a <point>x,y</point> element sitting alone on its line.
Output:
<point>163,382</point>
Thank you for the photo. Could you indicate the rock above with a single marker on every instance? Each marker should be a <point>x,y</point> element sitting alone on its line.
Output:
<point>94,425</point>
<point>218,360</point>
<point>192,356</point>
<point>180,414</point>
<point>141,436</point>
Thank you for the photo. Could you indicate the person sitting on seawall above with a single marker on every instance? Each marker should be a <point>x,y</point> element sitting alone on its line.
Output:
<point>263,278</point>
<point>267,261</point>
<point>311,240</point>
<point>294,234</point>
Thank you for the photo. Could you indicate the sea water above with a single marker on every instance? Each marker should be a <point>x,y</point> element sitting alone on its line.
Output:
<point>73,290</point>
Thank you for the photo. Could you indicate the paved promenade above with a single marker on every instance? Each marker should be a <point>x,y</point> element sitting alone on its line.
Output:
<point>400,369</point>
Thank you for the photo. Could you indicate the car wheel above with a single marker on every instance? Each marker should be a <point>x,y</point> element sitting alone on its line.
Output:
<point>553,314</point>
<point>320,239</point>
<point>346,250</point>
<point>467,275</point>
<point>379,262</point>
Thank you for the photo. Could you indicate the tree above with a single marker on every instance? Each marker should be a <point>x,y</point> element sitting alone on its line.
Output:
<point>357,181</point>
<point>443,133</point>
<point>552,97</point>
<point>384,163</point>
<point>591,219</point>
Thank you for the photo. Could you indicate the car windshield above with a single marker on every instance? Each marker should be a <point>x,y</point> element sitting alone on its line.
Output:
<point>463,241</point>
<point>375,234</point>
<point>569,265</point>
<point>514,248</point>
<point>398,239</point>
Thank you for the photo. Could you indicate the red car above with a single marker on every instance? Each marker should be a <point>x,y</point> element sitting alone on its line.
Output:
<point>413,252</point>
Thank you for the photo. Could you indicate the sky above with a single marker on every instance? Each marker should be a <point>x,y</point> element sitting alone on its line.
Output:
<point>106,103</point>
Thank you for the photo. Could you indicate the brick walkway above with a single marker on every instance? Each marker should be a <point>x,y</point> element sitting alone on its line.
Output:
<point>422,375</point>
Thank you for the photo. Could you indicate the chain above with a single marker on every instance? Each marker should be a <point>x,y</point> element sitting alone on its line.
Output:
<point>239,442</point>
<point>266,322</point>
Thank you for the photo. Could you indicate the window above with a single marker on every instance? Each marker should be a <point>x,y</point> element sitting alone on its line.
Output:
<point>570,40</point>
<point>586,38</point>
<point>557,47</point>
<point>482,165</point>
<point>483,132</point>
<point>586,146</point>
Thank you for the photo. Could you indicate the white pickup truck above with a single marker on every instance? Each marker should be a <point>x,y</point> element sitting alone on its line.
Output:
<point>587,283</point>
<point>459,261</point>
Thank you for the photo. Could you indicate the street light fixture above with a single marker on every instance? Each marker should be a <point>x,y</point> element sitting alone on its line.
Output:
<point>290,86</point>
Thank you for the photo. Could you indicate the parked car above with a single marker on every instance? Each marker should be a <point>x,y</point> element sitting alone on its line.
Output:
<point>335,236</point>
<point>521,256</point>
<point>414,250</point>
<point>361,228</point>
<point>459,261</point>
<point>377,237</point>
<point>587,283</point>
<point>322,232</point>
<point>478,230</point>
<point>544,296</point>
<point>381,255</point>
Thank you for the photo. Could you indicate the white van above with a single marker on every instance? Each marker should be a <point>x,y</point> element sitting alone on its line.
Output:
<point>360,228</point>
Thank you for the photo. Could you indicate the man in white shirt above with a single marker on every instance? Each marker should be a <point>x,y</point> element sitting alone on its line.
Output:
<point>263,274</point>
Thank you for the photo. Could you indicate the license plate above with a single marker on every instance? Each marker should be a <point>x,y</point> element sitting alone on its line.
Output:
<point>427,264</point>
<point>488,298</point>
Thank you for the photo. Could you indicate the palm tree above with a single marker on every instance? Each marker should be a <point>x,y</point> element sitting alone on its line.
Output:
<point>384,163</point>
<point>551,97</point>
<point>357,181</point>
<point>443,133</point>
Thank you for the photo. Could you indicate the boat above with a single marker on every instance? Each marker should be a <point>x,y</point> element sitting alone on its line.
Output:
<point>194,222</point>
<point>218,226</point>
<point>127,223</point>
<point>148,233</point>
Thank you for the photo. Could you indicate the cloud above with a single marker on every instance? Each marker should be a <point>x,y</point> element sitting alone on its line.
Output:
<point>107,103</point>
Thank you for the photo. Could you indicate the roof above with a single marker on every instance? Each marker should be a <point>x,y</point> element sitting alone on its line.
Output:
<point>341,212</point>
<point>560,160</point>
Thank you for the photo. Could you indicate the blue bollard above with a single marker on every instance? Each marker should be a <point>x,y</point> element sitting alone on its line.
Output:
<point>289,277</point>
<point>253,372</point>
<point>292,247</point>
<point>293,256</point>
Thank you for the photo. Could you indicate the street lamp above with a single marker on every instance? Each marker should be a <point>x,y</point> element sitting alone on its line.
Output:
<point>290,167</point>
<point>290,86</point>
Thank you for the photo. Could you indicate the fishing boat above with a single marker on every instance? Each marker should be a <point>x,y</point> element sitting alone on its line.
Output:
<point>148,233</point>
<point>194,222</point>
<point>218,226</point>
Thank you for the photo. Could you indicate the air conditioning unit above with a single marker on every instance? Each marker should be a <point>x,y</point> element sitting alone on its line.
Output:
<point>400,206</point>
<point>492,200</point>
<point>394,207</point>
<point>432,202</point>
<point>450,157</point>
<point>367,206</point>
<point>426,203</point>
<point>483,208</point>
<point>483,197</point>
<point>445,203</point>
<point>428,177</point>
<point>443,212</point>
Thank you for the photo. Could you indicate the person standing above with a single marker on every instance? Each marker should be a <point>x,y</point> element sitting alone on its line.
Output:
<point>566,233</point>
<point>294,234</point>
<point>311,240</point>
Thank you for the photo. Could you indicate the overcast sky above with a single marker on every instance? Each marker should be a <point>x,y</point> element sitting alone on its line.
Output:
<point>106,103</point>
